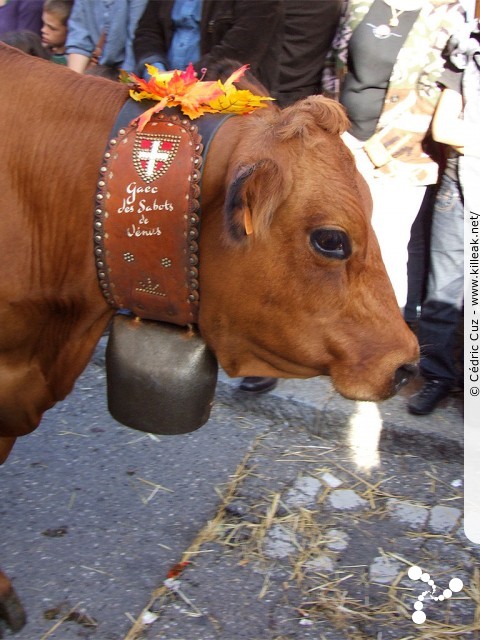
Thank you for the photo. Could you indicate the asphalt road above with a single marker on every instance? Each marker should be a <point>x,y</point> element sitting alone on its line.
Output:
<point>95,515</point>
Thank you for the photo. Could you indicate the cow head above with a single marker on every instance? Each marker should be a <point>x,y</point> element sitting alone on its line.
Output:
<point>292,280</point>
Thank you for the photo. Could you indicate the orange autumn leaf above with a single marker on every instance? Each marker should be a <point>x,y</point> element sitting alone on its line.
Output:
<point>147,115</point>
<point>199,95</point>
<point>236,76</point>
<point>194,97</point>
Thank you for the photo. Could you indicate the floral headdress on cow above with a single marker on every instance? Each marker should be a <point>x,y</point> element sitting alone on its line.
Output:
<point>194,96</point>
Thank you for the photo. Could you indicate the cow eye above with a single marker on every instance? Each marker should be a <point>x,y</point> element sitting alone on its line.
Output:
<point>331,243</point>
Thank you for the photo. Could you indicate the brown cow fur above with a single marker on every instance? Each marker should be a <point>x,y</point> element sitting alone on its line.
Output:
<point>52,312</point>
<point>269,304</point>
<point>292,171</point>
<point>11,609</point>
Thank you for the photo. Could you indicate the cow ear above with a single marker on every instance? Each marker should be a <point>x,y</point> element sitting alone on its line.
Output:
<point>253,194</point>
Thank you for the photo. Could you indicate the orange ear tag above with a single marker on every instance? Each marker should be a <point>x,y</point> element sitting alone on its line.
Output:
<point>247,219</point>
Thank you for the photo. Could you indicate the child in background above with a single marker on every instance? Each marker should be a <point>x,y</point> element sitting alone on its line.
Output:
<point>54,31</point>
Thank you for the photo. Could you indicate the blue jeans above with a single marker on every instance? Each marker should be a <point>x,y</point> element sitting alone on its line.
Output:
<point>442,308</point>
<point>419,257</point>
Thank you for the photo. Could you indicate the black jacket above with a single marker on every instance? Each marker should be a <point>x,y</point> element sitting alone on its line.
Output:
<point>247,31</point>
<point>310,26</point>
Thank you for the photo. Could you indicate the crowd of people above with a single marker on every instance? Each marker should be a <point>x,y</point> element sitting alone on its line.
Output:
<point>402,69</point>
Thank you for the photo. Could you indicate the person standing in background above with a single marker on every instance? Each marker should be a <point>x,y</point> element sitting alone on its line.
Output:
<point>173,33</point>
<point>54,31</point>
<point>442,308</point>
<point>21,15</point>
<point>217,36</point>
<point>309,29</point>
<point>105,26</point>
<point>387,61</point>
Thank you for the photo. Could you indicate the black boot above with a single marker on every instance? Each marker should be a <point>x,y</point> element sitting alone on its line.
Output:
<point>256,385</point>
<point>425,401</point>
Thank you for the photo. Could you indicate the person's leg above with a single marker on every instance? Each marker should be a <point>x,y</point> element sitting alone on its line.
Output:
<point>442,308</point>
<point>418,258</point>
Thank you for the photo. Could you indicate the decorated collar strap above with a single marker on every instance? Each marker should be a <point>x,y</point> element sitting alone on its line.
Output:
<point>146,220</point>
<point>147,211</point>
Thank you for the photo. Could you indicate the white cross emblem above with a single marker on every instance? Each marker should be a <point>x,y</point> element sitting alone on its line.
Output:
<point>154,154</point>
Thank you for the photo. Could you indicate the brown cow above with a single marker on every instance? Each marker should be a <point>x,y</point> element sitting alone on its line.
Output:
<point>305,294</point>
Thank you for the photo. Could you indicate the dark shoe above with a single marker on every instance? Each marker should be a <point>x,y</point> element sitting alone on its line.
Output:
<point>255,384</point>
<point>425,401</point>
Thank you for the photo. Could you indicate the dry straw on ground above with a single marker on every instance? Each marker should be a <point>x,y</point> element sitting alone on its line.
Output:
<point>325,595</point>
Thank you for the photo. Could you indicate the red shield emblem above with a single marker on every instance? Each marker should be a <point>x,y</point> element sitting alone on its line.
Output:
<point>153,154</point>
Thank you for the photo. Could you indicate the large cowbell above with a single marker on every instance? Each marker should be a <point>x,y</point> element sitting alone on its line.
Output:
<point>161,378</point>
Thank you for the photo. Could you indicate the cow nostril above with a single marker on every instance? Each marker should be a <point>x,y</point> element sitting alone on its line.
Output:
<point>404,374</point>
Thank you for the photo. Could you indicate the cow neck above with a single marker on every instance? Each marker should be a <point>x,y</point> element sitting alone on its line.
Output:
<point>147,213</point>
